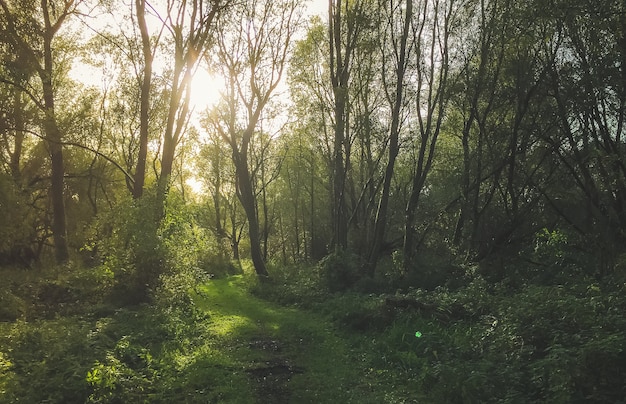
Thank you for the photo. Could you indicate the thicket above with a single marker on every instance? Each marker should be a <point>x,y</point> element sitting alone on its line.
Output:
<point>547,331</point>
<point>120,330</point>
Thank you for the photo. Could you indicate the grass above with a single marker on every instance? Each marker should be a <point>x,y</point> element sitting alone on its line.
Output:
<point>234,340</point>
<point>224,345</point>
<point>305,341</point>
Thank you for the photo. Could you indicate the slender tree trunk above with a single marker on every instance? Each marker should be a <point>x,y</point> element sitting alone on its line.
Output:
<point>266,223</point>
<point>234,237</point>
<point>381,214</point>
<point>433,74</point>
<point>18,137</point>
<point>339,75</point>
<point>59,227</point>
<point>54,138</point>
<point>144,108</point>
<point>339,174</point>
<point>465,188</point>
<point>245,193</point>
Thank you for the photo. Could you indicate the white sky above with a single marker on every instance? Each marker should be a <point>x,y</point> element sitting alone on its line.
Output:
<point>318,7</point>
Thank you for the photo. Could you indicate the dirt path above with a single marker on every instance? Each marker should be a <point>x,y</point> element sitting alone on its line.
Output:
<point>285,355</point>
<point>272,375</point>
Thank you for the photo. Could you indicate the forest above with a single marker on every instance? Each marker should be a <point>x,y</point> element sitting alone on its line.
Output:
<point>339,201</point>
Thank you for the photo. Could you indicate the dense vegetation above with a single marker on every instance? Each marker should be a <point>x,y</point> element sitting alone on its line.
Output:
<point>237,201</point>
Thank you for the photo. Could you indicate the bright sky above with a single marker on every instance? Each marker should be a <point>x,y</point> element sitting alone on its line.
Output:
<point>205,87</point>
<point>318,7</point>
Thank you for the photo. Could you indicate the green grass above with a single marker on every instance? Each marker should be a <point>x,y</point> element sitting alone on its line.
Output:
<point>213,348</point>
<point>234,340</point>
<point>308,342</point>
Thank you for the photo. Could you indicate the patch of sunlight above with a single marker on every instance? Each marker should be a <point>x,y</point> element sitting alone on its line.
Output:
<point>273,326</point>
<point>226,325</point>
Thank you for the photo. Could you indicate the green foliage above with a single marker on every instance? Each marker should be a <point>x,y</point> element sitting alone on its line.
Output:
<point>297,285</point>
<point>126,241</point>
<point>15,235</point>
<point>162,256</point>
<point>45,361</point>
<point>551,246</point>
<point>100,354</point>
<point>483,342</point>
<point>12,307</point>
<point>146,350</point>
<point>341,270</point>
<point>480,344</point>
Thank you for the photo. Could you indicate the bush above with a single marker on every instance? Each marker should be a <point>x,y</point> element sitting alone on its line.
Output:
<point>12,307</point>
<point>148,255</point>
<point>47,361</point>
<point>488,343</point>
<point>542,344</point>
<point>299,285</point>
<point>341,270</point>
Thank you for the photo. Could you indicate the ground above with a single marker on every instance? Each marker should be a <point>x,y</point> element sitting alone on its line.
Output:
<point>288,355</point>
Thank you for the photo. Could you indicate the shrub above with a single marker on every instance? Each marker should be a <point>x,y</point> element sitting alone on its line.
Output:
<point>299,285</point>
<point>47,361</point>
<point>341,270</point>
<point>148,254</point>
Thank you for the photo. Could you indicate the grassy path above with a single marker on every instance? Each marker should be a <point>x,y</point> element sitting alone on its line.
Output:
<point>270,354</point>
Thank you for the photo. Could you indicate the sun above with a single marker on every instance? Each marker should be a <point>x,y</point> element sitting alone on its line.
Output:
<point>206,90</point>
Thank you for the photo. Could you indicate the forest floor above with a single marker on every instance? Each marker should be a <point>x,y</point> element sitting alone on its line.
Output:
<point>287,354</point>
<point>64,338</point>
<point>63,341</point>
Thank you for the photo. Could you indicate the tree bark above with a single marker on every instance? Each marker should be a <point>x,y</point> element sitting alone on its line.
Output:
<point>339,59</point>
<point>245,193</point>
<point>54,139</point>
<point>140,170</point>
<point>394,133</point>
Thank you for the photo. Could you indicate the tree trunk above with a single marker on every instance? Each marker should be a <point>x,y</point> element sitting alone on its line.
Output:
<point>53,137</point>
<point>339,175</point>
<point>245,193</point>
<point>140,170</point>
<point>381,214</point>
<point>16,155</point>
<point>339,59</point>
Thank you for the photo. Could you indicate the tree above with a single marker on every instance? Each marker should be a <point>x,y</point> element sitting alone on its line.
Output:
<point>312,99</point>
<point>588,91</point>
<point>253,48</point>
<point>191,26</point>
<point>343,34</point>
<point>432,29</point>
<point>399,51</point>
<point>219,176</point>
<point>31,35</point>
<point>148,51</point>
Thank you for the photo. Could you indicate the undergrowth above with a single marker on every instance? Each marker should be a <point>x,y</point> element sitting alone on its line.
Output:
<point>481,343</point>
<point>63,339</point>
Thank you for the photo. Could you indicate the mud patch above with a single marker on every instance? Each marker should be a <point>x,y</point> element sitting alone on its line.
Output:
<point>272,375</point>
<point>270,345</point>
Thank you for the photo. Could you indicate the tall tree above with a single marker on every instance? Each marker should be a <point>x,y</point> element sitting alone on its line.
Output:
<point>435,22</point>
<point>191,25</point>
<point>312,96</point>
<point>31,34</point>
<point>184,29</point>
<point>148,51</point>
<point>253,48</point>
<point>343,34</point>
<point>395,88</point>
<point>588,89</point>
